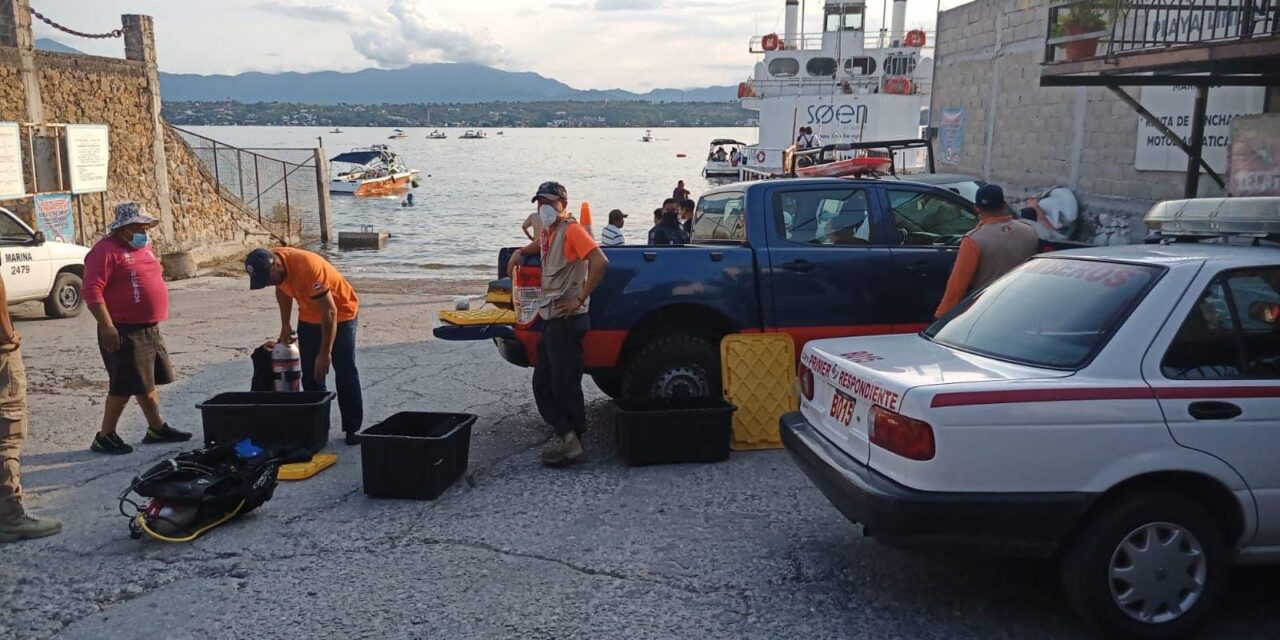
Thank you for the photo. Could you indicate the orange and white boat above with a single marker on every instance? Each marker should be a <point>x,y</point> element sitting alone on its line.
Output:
<point>372,171</point>
<point>847,167</point>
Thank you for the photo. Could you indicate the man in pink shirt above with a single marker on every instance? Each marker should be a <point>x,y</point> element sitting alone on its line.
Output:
<point>125,290</point>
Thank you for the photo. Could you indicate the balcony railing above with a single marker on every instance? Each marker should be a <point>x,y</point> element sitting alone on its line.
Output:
<point>1082,29</point>
<point>827,85</point>
<point>813,42</point>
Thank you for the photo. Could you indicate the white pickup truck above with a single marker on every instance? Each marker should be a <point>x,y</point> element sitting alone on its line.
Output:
<point>36,269</point>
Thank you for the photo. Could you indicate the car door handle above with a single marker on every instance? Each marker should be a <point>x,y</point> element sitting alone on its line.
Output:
<point>650,256</point>
<point>717,256</point>
<point>920,269</point>
<point>799,266</point>
<point>1213,410</point>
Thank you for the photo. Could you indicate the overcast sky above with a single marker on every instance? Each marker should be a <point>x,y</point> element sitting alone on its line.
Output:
<point>588,44</point>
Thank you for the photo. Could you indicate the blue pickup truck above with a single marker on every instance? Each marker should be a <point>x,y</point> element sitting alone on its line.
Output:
<point>813,258</point>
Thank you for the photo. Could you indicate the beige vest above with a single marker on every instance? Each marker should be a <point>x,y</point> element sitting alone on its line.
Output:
<point>561,279</point>
<point>1002,245</point>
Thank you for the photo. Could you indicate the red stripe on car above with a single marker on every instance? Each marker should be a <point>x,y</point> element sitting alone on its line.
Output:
<point>972,398</point>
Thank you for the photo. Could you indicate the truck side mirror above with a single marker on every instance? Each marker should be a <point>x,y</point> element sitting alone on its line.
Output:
<point>38,239</point>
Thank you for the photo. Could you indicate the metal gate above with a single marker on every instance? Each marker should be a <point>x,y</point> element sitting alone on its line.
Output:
<point>287,190</point>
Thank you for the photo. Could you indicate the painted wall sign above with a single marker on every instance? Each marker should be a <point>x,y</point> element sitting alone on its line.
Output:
<point>88,154</point>
<point>54,217</point>
<point>12,185</point>
<point>1174,105</point>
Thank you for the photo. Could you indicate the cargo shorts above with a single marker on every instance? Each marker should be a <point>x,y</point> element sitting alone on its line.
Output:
<point>140,364</point>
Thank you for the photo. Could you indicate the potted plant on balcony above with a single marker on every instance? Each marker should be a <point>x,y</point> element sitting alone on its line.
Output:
<point>1088,16</point>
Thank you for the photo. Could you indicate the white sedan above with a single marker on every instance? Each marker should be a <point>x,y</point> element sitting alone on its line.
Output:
<point>1115,408</point>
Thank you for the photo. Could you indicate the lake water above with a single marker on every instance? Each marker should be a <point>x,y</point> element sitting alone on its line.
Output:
<point>475,193</point>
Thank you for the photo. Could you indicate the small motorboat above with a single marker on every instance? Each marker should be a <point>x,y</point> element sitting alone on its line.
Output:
<point>724,158</point>
<point>474,134</point>
<point>499,133</point>
<point>648,136</point>
<point>840,160</point>
<point>398,135</point>
<point>372,171</point>
<point>437,134</point>
<point>336,130</point>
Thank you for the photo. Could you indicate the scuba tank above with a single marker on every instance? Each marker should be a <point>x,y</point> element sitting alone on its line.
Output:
<point>196,491</point>
<point>286,367</point>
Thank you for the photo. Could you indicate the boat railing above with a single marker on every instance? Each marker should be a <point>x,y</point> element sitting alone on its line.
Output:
<point>814,42</point>
<point>828,85</point>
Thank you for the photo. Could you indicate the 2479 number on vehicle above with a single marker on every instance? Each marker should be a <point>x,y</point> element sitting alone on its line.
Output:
<point>19,269</point>
<point>842,408</point>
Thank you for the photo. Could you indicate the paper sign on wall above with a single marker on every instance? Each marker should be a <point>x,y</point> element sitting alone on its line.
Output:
<point>88,152</point>
<point>12,185</point>
<point>54,218</point>
<point>1174,106</point>
<point>950,135</point>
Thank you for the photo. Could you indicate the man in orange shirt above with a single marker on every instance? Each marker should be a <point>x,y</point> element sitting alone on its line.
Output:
<point>328,312</point>
<point>572,267</point>
<point>997,245</point>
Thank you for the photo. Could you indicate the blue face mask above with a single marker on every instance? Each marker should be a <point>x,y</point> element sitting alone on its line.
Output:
<point>139,240</point>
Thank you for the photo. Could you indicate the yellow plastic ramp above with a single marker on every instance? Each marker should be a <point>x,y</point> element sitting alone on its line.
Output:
<point>478,317</point>
<point>304,470</point>
<point>759,372</point>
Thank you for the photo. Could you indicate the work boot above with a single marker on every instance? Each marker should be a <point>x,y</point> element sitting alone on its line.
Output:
<point>164,433</point>
<point>563,451</point>
<point>351,439</point>
<point>24,526</point>
<point>110,443</point>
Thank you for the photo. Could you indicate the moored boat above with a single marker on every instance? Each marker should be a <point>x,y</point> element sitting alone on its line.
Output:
<point>725,158</point>
<point>437,134</point>
<point>372,171</point>
<point>473,134</point>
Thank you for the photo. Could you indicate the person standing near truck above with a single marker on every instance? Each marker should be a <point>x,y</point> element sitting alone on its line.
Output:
<point>125,291</point>
<point>997,245</point>
<point>328,317</point>
<point>612,234</point>
<point>572,266</point>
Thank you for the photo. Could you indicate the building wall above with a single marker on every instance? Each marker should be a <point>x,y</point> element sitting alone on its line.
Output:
<point>80,89</point>
<point>1027,137</point>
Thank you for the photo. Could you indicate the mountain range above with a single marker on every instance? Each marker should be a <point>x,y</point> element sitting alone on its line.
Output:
<point>434,83</point>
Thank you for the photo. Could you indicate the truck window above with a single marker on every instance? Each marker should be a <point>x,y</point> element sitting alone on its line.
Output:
<point>929,219</point>
<point>719,216</point>
<point>12,233</point>
<point>827,217</point>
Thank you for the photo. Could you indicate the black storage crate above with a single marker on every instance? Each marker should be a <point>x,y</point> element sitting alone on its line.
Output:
<point>415,455</point>
<point>290,423</point>
<point>671,431</point>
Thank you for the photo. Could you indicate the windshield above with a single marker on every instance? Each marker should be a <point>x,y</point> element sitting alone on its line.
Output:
<point>1050,312</point>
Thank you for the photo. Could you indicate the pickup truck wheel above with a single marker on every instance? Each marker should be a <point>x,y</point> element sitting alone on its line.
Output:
<point>64,299</point>
<point>611,385</point>
<point>1152,565</point>
<point>674,367</point>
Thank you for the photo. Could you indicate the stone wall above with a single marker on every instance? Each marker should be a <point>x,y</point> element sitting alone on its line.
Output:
<point>1027,137</point>
<point>77,89</point>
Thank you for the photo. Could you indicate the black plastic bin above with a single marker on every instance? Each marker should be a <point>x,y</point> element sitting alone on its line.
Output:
<point>291,423</point>
<point>673,431</point>
<point>415,455</point>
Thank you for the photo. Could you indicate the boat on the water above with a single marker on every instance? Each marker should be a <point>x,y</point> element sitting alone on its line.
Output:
<point>648,136</point>
<point>371,171</point>
<point>398,135</point>
<point>474,134</point>
<point>336,130</point>
<point>437,134</point>
<point>725,158</point>
<point>846,84</point>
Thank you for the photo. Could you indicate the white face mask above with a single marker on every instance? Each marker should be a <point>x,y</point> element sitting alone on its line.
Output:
<point>547,214</point>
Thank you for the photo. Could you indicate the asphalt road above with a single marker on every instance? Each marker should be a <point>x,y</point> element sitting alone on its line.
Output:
<point>741,549</point>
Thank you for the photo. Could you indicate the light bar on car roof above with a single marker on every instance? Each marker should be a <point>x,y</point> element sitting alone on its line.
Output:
<point>1250,217</point>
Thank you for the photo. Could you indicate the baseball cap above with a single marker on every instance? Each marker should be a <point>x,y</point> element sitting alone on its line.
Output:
<point>258,265</point>
<point>553,190</point>
<point>990,196</point>
<point>616,214</point>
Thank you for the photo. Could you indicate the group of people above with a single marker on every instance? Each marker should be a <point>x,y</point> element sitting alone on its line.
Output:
<point>733,157</point>
<point>672,222</point>
<point>125,291</point>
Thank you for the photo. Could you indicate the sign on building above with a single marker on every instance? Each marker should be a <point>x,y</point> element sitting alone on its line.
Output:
<point>950,135</point>
<point>1255,156</point>
<point>88,152</point>
<point>12,185</point>
<point>1174,106</point>
<point>54,218</point>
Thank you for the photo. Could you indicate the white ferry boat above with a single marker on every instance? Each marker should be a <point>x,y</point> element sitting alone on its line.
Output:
<point>843,85</point>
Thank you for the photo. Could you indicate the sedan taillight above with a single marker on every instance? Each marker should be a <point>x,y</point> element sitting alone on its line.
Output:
<point>907,437</point>
<point>806,382</point>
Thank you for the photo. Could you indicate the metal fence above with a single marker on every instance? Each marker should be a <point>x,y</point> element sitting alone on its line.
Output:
<point>1127,26</point>
<point>284,187</point>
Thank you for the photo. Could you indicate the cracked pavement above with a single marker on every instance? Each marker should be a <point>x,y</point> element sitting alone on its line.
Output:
<point>742,549</point>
